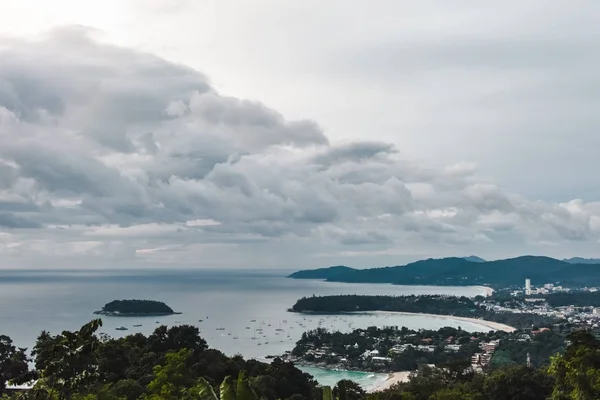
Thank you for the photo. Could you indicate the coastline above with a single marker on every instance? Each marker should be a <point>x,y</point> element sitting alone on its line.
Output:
<point>392,379</point>
<point>490,324</point>
<point>486,289</point>
<point>119,314</point>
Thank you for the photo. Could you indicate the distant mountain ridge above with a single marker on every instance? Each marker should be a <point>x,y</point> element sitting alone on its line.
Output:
<point>321,273</point>
<point>474,259</point>
<point>580,260</point>
<point>456,271</point>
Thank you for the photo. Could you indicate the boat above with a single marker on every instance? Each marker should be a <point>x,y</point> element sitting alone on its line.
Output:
<point>136,325</point>
<point>121,328</point>
<point>279,329</point>
<point>252,320</point>
<point>247,327</point>
<point>220,329</point>
<point>235,337</point>
<point>200,320</point>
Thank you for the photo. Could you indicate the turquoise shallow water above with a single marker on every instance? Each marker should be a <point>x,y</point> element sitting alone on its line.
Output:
<point>367,380</point>
<point>241,302</point>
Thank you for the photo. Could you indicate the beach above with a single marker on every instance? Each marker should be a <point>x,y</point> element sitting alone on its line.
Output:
<point>486,289</point>
<point>490,324</point>
<point>393,378</point>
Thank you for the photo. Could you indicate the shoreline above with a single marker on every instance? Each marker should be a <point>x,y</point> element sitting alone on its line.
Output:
<point>125,315</point>
<point>489,324</point>
<point>392,379</point>
<point>488,291</point>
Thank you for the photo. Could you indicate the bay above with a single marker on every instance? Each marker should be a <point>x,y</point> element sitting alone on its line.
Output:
<point>246,304</point>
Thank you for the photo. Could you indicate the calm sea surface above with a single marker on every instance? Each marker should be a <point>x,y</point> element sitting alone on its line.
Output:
<point>241,302</point>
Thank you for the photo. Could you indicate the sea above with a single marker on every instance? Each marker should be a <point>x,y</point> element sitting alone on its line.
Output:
<point>237,311</point>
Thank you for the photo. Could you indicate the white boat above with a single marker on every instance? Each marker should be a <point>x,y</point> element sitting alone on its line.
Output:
<point>121,328</point>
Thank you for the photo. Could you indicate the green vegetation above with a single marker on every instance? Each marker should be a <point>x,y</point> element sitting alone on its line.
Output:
<point>403,349</point>
<point>577,299</point>
<point>176,363</point>
<point>461,272</point>
<point>136,308</point>
<point>432,304</point>
<point>167,364</point>
<point>13,363</point>
<point>322,273</point>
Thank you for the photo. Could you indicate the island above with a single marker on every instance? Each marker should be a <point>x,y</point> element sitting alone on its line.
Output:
<point>136,308</point>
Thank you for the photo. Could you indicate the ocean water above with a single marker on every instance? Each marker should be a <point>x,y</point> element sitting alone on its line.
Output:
<point>367,380</point>
<point>246,304</point>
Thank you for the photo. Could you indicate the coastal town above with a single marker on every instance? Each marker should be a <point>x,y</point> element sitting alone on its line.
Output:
<point>400,350</point>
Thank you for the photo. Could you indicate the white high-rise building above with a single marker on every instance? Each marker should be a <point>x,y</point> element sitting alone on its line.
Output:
<point>528,286</point>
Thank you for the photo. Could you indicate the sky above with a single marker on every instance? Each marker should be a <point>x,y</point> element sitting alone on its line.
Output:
<point>296,134</point>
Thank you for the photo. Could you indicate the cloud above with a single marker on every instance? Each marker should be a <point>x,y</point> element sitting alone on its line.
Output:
<point>119,157</point>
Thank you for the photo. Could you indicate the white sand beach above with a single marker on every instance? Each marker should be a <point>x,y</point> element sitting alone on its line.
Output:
<point>490,324</point>
<point>392,379</point>
<point>487,290</point>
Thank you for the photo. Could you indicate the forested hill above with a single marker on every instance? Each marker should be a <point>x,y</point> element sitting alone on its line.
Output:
<point>321,273</point>
<point>428,304</point>
<point>460,271</point>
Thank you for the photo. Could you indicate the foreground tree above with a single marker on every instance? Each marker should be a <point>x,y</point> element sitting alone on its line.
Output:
<point>172,380</point>
<point>348,390</point>
<point>13,364</point>
<point>577,371</point>
<point>67,362</point>
<point>517,382</point>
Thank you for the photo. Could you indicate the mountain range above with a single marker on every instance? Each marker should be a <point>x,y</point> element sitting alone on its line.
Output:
<point>471,270</point>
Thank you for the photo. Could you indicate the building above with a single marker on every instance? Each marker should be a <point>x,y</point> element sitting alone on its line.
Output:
<point>381,360</point>
<point>528,287</point>
<point>452,347</point>
<point>490,347</point>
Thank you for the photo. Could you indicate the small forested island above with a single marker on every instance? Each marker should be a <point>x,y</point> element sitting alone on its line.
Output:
<point>462,306</point>
<point>136,308</point>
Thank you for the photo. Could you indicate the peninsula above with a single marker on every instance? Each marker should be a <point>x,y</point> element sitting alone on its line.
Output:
<point>450,306</point>
<point>470,271</point>
<point>136,308</point>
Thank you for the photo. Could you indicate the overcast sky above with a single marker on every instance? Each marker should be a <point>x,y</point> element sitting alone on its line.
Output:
<point>297,134</point>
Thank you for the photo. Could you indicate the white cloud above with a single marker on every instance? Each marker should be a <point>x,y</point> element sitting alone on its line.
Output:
<point>119,157</point>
